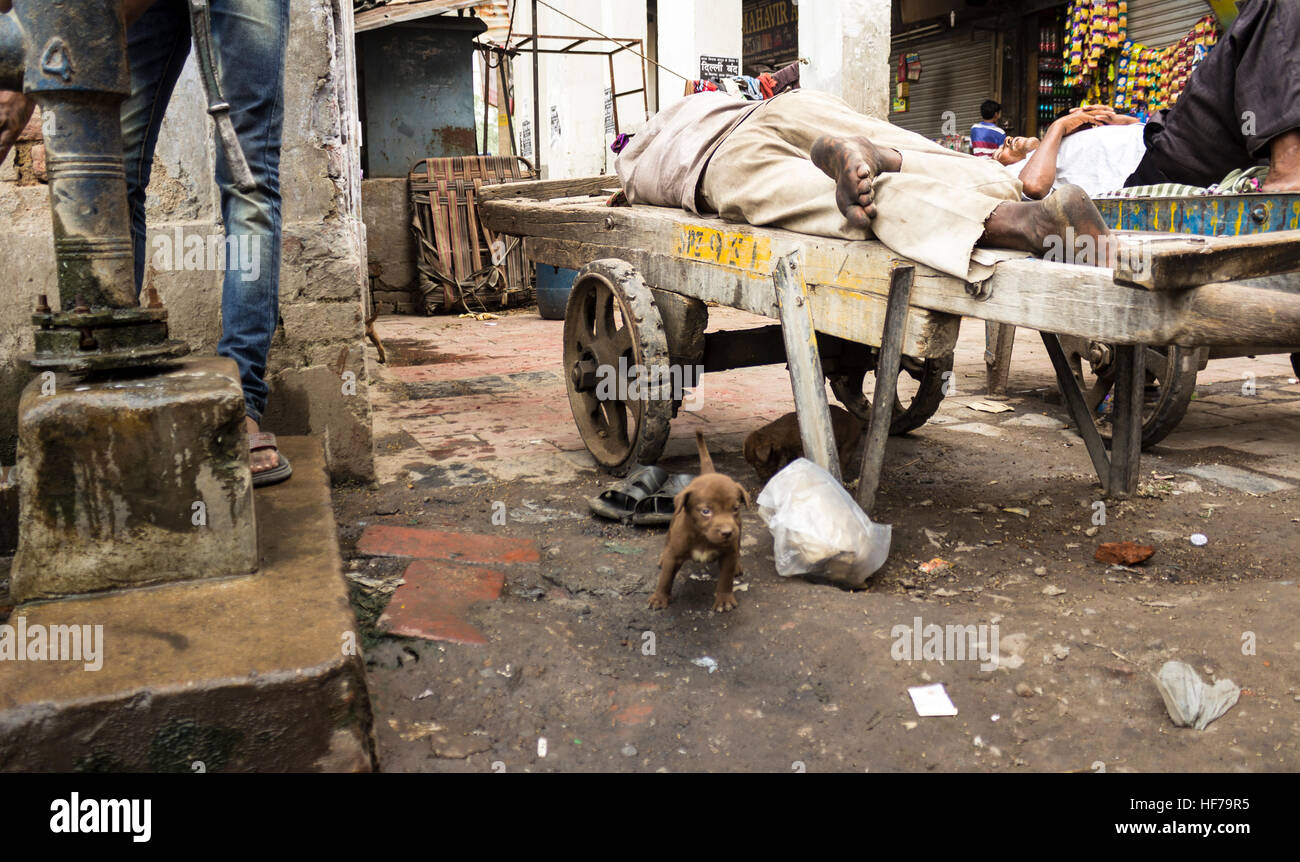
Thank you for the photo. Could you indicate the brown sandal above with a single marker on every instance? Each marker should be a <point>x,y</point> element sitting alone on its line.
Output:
<point>282,470</point>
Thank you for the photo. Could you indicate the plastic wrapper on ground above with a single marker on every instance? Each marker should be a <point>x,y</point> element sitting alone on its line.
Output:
<point>1192,703</point>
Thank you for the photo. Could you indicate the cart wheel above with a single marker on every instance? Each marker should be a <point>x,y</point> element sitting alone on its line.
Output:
<point>615,351</point>
<point>1171,380</point>
<point>919,381</point>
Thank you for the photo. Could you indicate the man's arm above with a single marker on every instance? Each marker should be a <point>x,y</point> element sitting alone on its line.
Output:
<point>16,109</point>
<point>1039,175</point>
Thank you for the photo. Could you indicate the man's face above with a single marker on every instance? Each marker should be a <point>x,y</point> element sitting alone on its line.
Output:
<point>1014,150</point>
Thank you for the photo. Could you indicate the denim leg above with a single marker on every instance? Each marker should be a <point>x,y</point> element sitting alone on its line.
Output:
<point>250,38</point>
<point>157,45</point>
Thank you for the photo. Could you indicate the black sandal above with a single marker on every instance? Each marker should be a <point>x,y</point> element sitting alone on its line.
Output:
<point>619,503</point>
<point>657,510</point>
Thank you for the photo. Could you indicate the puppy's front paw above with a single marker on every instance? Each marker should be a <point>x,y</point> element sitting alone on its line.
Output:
<point>724,602</point>
<point>659,601</point>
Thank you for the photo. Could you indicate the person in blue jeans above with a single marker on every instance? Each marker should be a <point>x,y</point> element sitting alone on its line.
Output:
<point>249,37</point>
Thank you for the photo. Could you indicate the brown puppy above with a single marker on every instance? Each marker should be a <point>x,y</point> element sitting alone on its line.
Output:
<point>705,527</point>
<point>776,444</point>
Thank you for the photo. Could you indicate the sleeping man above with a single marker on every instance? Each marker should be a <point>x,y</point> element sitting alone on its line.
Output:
<point>807,162</point>
<point>1241,108</point>
<point>1091,147</point>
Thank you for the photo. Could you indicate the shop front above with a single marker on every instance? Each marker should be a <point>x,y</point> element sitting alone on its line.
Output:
<point>1040,59</point>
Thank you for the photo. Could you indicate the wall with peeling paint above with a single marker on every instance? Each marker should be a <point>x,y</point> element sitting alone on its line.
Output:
<point>321,337</point>
<point>417,91</point>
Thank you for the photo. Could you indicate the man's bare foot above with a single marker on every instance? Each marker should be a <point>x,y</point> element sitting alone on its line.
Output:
<point>1284,164</point>
<point>262,459</point>
<point>1065,226</point>
<point>854,163</point>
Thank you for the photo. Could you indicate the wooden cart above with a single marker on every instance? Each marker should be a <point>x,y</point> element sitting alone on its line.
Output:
<point>1171,369</point>
<point>849,307</point>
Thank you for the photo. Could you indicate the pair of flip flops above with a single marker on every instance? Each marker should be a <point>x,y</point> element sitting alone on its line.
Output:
<point>645,497</point>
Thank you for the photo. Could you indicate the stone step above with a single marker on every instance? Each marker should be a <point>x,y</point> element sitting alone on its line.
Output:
<point>256,673</point>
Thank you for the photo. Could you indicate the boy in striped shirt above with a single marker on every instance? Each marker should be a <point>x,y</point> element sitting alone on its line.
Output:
<point>986,136</point>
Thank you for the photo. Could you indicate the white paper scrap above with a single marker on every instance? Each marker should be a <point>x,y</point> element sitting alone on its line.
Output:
<point>931,700</point>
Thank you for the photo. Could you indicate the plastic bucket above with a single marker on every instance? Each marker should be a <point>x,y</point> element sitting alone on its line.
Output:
<point>553,286</point>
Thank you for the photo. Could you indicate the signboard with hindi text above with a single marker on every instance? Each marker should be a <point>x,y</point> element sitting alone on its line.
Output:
<point>716,68</point>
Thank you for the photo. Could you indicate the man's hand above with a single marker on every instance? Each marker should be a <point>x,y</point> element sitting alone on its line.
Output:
<point>1105,114</point>
<point>15,110</point>
<point>1075,120</point>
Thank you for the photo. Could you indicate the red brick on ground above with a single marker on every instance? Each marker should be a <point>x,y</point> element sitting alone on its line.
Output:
<point>1124,553</point>
<point>380,540</point>
<point>435,598</point>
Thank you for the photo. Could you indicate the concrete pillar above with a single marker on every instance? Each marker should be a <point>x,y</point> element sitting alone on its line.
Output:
<point>133,482</point>
<point>689,29</point>
<point>847,44</point>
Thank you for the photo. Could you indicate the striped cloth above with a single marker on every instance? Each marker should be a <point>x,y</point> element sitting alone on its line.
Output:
<point>1235,183</point>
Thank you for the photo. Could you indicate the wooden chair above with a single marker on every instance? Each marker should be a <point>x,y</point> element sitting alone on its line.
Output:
<point>457,256</point>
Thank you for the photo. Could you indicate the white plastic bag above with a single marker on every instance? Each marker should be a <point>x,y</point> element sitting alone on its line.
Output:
<point>817,527</point>
<point>1192,703</point>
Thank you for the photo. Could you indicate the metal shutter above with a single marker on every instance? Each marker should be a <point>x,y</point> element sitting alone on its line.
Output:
<point>1161,23</point>
<point>957,74</point>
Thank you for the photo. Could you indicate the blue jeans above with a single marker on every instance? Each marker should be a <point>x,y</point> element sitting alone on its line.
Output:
<point>249,38</point>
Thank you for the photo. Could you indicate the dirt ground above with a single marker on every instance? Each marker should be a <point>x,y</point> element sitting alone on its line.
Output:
<point>472,421</point>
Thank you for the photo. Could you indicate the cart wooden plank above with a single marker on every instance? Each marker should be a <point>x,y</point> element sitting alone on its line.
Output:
<point>807,380</point>
<point>850,280</point>
<point>856,317</point>
<point>1174,264</point>
<point>544,190</point>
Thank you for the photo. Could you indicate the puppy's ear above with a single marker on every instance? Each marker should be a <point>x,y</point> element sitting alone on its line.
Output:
<point>744,495</point>
<point>763,451</point>
<point>681,501</point>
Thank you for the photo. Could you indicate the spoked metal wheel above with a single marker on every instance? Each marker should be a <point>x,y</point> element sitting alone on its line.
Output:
<point>1171,380</point>
<point>617,366</point>
<point>920,390</point>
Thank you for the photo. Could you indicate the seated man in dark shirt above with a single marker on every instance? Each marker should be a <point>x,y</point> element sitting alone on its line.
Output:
<point>1241,107</point>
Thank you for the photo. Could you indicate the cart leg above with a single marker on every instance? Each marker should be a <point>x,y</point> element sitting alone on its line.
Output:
<point>998,341</point>
<point>1126,441</point>
<point>887,367</point>
<point>806,378</point>
<point>1078,408</point>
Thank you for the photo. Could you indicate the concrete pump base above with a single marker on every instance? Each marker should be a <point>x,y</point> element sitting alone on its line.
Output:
<point>254,673</point>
